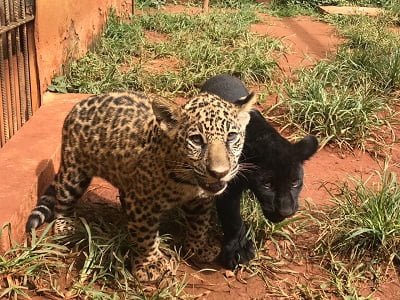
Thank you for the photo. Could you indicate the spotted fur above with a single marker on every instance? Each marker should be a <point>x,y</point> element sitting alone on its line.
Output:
<point>158,155</point>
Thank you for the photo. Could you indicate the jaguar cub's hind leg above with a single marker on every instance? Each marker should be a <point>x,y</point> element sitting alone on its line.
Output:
<point>59,200</point>
<point>204,248</point>
<point>70,184</point>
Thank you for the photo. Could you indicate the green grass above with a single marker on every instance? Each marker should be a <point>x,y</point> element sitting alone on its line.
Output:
<point>358,237</point>
<point>93,263</point>
<point>365,221</point>
<point>31,267</point>
<point>202,45</point>
<point>105,270</point>
<point>347,100</point>
<point>336,113</point>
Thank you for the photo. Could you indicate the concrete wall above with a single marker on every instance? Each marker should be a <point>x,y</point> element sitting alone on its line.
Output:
<point>63,29</point>
<point>66,28</point>
<point>29,162</point>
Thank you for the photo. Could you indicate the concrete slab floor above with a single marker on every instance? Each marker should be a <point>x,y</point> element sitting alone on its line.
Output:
<point>351,10</point>
<point>28,162</point>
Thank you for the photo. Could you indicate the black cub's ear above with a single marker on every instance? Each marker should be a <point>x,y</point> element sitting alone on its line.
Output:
<point>306,148</point>
<point>244,100</point>
<point>245,104</point>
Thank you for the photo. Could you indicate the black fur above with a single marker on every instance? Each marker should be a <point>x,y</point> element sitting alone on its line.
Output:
<point>275,175</point>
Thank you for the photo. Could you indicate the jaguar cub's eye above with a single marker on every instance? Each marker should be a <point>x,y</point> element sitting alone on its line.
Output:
<point>196,139</point>
<point>232,136</point>
<point>296,183</point>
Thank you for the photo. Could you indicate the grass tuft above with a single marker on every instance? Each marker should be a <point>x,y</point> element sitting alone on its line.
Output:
<point>92,263</point>
<point>31,267</point>
<point>359,235</point>
<point>365,221</point>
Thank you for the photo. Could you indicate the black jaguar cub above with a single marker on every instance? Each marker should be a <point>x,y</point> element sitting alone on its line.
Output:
<point>275,174</point>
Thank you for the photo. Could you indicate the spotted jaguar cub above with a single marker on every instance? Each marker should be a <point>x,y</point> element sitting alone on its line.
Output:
<point>159,155</point>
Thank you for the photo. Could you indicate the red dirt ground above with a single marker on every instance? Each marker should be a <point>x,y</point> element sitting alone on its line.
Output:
<point>309,41</point>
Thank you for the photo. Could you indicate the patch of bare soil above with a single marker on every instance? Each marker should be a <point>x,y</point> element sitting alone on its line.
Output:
<point>307,40</point>
<point>155,37</point>
<point>173,9</point>
<point>161,65</point>
<point>157,65</point>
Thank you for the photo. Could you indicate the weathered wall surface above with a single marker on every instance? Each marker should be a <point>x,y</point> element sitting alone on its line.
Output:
<point>63,28</point>
<point>66,28</point>
<point>28,164</point>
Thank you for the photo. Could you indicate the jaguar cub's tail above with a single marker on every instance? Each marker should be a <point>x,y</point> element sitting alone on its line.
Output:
<point>44,210</point>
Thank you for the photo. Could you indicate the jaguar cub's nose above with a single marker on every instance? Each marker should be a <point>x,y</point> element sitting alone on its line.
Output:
<point>218,174</point>
<point>218,164</point>
<point>287,212</point>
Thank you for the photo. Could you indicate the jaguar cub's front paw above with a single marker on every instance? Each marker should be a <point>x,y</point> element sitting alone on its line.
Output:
<point>203,252</point>
<point>64,226</point>
<point>235,252</point>
<point>150,269</point>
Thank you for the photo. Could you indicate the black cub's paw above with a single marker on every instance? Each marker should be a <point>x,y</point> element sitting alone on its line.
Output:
<point>238,251</point>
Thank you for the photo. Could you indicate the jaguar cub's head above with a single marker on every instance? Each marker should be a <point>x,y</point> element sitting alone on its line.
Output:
<point>208,133</point>
<point>278,182</point>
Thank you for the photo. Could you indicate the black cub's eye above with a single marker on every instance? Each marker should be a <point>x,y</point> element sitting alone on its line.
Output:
<point>196,139</point>
<point>232,136</point>
<point>268,186</point>
<point>296,183</point>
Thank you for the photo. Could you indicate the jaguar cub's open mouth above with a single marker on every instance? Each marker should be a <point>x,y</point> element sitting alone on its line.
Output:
<point>216,187</point>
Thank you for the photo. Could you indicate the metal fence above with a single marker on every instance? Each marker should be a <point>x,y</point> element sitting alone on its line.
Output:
<point>18,74</point>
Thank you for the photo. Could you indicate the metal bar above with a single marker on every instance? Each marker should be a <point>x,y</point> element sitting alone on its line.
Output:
<point>15,7</point>
<point>23,117</point>
<point>16,65</point>
<point>21,78</point>
<point>29,110</point>
<point>11,71</point>
<point>34,88</point>
<point>6,126</point>
<point>15,24</point>
<point>26,62</point>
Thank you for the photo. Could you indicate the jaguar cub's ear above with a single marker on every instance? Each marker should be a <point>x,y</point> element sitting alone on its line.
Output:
<point>167,114</point>
<point>245,105</point>
<point>306,148</point>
